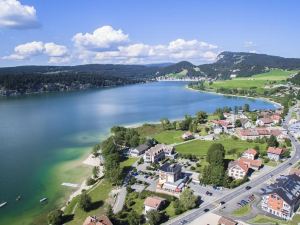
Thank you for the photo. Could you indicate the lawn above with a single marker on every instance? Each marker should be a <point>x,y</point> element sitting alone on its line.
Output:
<point>262,219</point>
<point>254,82</point>
<point>99,194</point>
<point>242,211</point>
<point>200,147</point>
<point>128,162</point>
<point>169,136</point>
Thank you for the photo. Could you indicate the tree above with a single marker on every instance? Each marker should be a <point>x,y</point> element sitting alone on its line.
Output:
<point>85,201</point>
<point>201,117</point>
<point>238,123</point>
<point>153,217</point>
<point>95,171</point>
<point>187,199</point>
<point>55,217</point>
<point>133,218</point>
<point>272,142</point>
<point>216,154</point>
<point>246,108</point>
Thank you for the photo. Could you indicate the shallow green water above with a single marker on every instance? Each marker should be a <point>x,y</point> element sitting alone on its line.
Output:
<point>44,138</point>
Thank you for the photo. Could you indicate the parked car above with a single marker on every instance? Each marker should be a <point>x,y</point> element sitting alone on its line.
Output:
<point>247,187</point>
<point>208,193</point>
<point>206,210</point>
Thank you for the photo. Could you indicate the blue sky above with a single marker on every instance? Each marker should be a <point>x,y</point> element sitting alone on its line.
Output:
<point>139,32</point>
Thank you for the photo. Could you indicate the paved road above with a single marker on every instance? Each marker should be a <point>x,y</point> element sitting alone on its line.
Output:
<point>192,215</point>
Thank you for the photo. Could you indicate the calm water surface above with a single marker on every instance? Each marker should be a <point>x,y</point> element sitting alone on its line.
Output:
<point>37,133</point>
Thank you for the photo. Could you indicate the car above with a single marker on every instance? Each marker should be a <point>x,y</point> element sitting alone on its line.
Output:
<point>222,203</point>
<point>290,164</point>
<point>244,201</point>
<point>208,193</point>
<point>247,187</point>
<point>183,222</point>
<point>206,210</point>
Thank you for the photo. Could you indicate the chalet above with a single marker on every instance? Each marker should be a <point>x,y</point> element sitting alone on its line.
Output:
<point>237,169</point>
<point>188,136</point>
<point>282,198</point>
<point>141,149</point>
<point>93,220</point>
<point>250,154</point>
<point>153,203</point>
<point>275,153</point>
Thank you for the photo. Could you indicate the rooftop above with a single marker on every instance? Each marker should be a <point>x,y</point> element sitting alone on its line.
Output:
<point>153,202</point>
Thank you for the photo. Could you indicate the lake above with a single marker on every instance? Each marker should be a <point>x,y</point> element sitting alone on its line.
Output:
<point>44,138</point>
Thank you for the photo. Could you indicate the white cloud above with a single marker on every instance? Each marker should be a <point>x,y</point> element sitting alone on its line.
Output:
<point>17,16</point>
<point>249,44</point>
<point>56,53</point>
<point>177,50</point>
<point>105,37</point>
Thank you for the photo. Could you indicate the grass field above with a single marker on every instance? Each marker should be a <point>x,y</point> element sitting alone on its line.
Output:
<point>242,211</point>
<point>200,148</point>
<point>261,219</point>
<point>169,136</point>
<point>255,82</point>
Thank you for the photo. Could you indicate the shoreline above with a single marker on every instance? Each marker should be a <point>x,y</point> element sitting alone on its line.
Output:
<point>277,104</point>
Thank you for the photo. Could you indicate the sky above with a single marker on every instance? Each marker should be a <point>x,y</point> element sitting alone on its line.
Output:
<point>71,32</point>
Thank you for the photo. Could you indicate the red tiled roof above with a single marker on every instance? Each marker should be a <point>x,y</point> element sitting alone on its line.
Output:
<point>93,220</point>
<point>251,151</point>
<point>263,132</point>
<point>266,120</point>
<point>275,117</point>
<point>226,221</point>
<point>239,163</point>
<point>223,123</point>
<point>153,202</point>
<point>276,151</point>
<point>248,132</point>
<point>276,132</point>
<point>251,163</point>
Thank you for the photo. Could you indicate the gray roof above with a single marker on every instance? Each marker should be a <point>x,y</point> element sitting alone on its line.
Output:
<point>170,168</point>
<point>287,187</point>
<point>142,148</point>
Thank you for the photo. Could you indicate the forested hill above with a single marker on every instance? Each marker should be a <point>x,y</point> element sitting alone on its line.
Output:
<point>233,63</point>
<point>37,79</point>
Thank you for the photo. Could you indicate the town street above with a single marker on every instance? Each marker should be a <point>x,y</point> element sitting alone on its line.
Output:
<point>209,206</point>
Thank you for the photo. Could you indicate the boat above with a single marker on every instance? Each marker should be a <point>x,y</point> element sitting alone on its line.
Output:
<point>18,198</point>
<point>43,200</point>
<point>3,204</point>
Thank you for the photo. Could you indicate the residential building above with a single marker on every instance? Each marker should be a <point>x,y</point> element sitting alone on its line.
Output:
<point>226,221</point>
<point>264,122</point>
<point>246,123</point>
<point>275,153</point>
<point>248,134</point>
<point>141,149</point>
<point>255,164</point>
<point>171,179</point>
<point>154,154</point>
<point>188,136</point>
<point>276,118</point>
<point>250,154</point>
<point>153,203</point>
<point>282,198</point>
<point>169,151</point>
<point>93,220</point>
<point>237,169</point>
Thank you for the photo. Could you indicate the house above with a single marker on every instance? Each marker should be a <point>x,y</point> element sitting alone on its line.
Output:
<point>250,154</point>
<point>225,124</point>
<point>246,123</point>
<point>255,164</point>
<point>263,132</point>
<point>226,221</point>
<point>217,129</point>
<point>154,154</point>
<point>275,153</point>
<point>93,220</point>
<point>169,151</point>
<point>264,122</point>
<point>187,136</point>
<point>276,118</point>
<point>237,169</point>
<point>141,149</point>
<point>282,198</point>
<point>153,203</point>
<point>248,134</point>
<point>279,134</point>
<point>171,179</point>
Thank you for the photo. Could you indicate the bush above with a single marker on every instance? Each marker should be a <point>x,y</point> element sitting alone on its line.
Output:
<point>85,201</point>
<point>90,181</point>
<point>193,168</point>
<point>55,217</point>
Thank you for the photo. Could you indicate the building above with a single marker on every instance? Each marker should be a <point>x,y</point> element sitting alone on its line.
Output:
<point>246,123</point>
<point>141,149</point>
<point>154,154</point>
<point>255,164</point>
<point>248,134</point>
<point>250,154</point>
<point>226,221</point>
<point>169,151</point>
<point>93,220</point>
<point>237,169</point>
<point>275,153</point>
<point>264,122</point>
<point>153,203</point>
<point>187,136</point>
<point>282,198</point>
<point>171,179</point>
<point>295,171</point>
<point>276,118</point>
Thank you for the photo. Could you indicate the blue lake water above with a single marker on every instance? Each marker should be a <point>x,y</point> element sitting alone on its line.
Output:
<point>37,131</point>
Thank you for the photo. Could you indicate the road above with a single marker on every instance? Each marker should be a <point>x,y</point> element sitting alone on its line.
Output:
<point>192,215</point>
